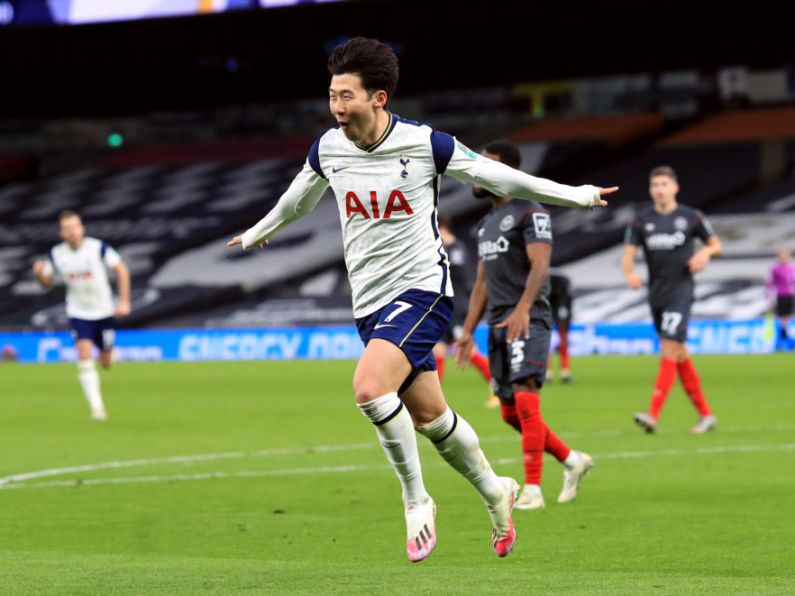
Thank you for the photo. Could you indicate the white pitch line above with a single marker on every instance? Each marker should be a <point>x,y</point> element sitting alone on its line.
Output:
<point>204,476</point>
<point>189,459</point>
<point>381,467</point>
<point>180,459</point>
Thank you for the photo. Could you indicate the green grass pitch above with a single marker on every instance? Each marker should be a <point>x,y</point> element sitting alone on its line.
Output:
<point>262,477</point>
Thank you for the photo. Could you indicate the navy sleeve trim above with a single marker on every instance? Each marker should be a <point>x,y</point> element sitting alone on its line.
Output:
<point>51,257</point>
<point>442,146</point>
<point>103,249</point>
<point>314,158</point>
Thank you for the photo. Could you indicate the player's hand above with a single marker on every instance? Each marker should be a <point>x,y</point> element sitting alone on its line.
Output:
<point>463,349</point>
<point>698,261</point>
<point>239,240</point>
<point>634,281</point>
<point>38,267</point>
<point>122,309</point>
<point>518,325</point>
<point>602,193</point>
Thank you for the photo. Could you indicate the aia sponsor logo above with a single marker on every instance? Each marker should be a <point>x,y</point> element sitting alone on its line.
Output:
<point>396,203</point>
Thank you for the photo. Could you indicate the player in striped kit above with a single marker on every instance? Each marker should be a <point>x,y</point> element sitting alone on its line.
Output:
<point>385,172</point>
<point>82,263</point>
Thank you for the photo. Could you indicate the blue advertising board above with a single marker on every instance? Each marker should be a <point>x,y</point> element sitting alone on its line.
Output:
<point>755,336</point>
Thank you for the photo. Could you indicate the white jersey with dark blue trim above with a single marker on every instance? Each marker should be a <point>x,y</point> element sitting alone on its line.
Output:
<point>84,272</point>
<point>387,196</point>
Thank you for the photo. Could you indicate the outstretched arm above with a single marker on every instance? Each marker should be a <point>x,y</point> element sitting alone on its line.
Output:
<point>299,199</point>
<point>469,167</point>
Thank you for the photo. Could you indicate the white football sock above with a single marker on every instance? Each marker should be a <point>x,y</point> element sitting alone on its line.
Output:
<point>89,381</point>
<point>572,460</point>
<point>457,443</point>
<point>533,488</point>
<point>395,431</point>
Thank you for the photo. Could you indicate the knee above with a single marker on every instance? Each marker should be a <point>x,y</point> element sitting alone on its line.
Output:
<point>525,386</point>
<point>366,389</point>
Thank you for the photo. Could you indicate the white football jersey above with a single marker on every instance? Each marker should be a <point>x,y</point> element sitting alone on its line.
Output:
<point>84,272</point>
<point>387,195</point>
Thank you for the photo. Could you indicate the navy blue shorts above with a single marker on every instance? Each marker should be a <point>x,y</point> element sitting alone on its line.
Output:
<point>414,321</point>
<point>100,332</point>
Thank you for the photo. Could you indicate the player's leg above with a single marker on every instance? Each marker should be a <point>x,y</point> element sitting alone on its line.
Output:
<point>105,340</point>
<point>527,397</point>
<point>576,465</point>
<point>525,364</point>
<point>692,385</point>
<point>87,374</point>
<point>667,322</point>
<point>500,383</point>
<point>562,321</point>
<point>379,374</point>
<point>563,350</point>
<point>538,438</point>
<point>674,347</point>
<point>458,444</point>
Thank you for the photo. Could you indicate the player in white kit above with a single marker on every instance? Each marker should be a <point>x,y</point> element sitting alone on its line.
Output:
<point>82,263</point>
<point>385,173</point>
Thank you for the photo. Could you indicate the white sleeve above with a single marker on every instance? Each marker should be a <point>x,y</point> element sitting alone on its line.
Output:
<point>467,166</point>
<point>299,199</point>
<point>110,256</point>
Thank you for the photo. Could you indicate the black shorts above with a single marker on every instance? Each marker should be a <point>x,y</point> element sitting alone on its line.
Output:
<point>784,306</point>
<point>671,320</point>
<point>522,359</point>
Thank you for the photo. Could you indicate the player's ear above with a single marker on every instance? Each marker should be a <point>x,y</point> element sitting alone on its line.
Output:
<point>380,97</point>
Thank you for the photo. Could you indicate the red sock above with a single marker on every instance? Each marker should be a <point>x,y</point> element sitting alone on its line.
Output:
<point>480,362</point>
<point>563,350</point>
<point>440,367</point>
<point>692,385</point>
<point>529,410</point>
<point>510,416</point>
<point>665,380</point>
<point>553,445</point>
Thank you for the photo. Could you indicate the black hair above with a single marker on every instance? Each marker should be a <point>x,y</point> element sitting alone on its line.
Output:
<point>507,152</point>
<point>372,60</point>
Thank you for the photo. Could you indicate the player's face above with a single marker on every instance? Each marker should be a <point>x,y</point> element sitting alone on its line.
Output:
<point>352,106</point>
<point>663,190</point>
<point>72,231</point>
<point>784,255</point>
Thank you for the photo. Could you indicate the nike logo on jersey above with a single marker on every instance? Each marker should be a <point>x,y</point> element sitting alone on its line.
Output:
<point>381,326</point>
<point>335,170</point>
